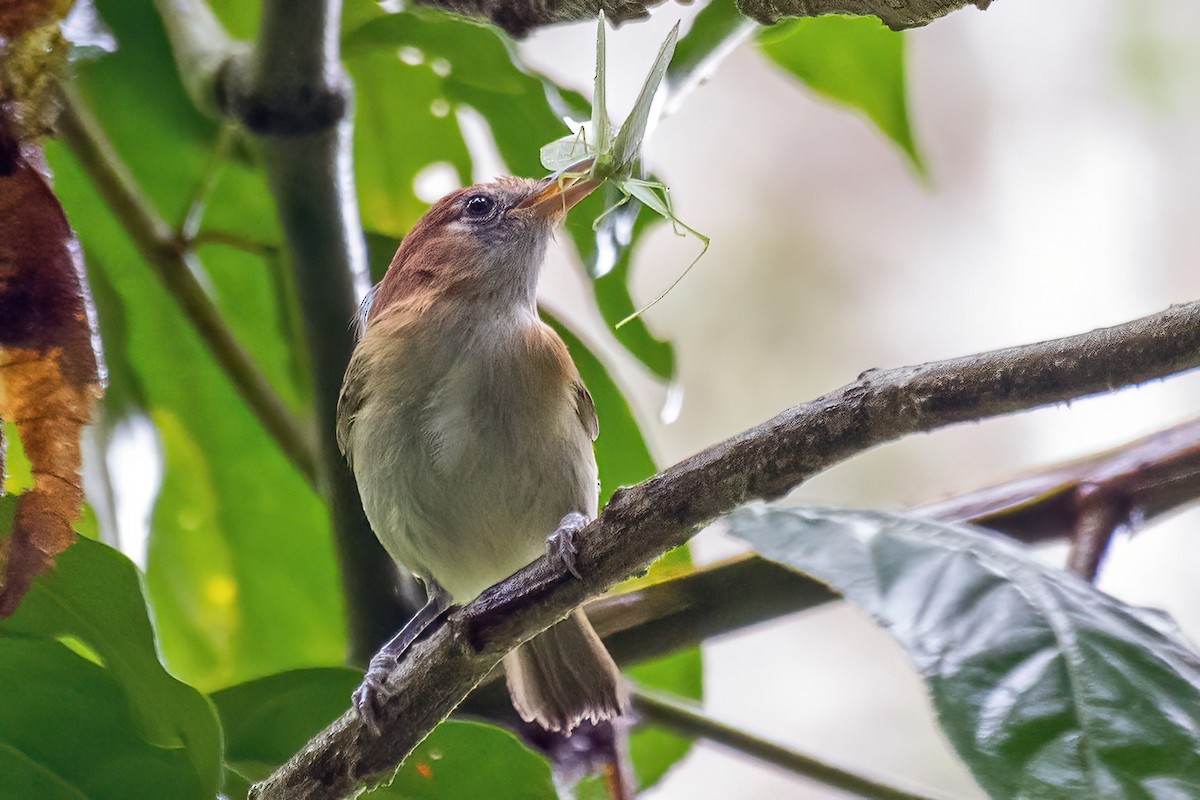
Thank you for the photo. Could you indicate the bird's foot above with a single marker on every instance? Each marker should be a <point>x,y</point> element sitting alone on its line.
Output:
<point>371,695</point>
<point>560,545</point>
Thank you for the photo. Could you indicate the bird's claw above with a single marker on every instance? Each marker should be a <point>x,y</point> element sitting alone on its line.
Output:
<point>561,544</point>
<point>371,694</point>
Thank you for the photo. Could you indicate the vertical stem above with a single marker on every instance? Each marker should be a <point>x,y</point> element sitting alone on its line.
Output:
<point>295,100</point>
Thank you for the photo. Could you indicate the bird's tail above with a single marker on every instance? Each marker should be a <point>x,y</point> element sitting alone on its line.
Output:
<point>564,675</point>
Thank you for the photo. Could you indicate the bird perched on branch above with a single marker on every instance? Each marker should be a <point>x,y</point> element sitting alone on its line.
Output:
<point>470,433</point>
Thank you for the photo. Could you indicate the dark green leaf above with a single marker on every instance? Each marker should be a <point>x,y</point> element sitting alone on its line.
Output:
<point>267,720</point>
<point>66,733</point>
<point>94,596</point>
<point>853,60</point>
<point>1047,687</point>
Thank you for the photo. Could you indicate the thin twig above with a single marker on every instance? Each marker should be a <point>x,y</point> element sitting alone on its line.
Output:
<point>641,522</point>
<point>189,228</point>
<point>686,719</point>
<point>176,267</point>
<point>234,240</point>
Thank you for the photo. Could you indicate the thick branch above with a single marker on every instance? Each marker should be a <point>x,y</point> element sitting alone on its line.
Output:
<point>172,262</point>
<point>643,521</point>
<point>520,17</point>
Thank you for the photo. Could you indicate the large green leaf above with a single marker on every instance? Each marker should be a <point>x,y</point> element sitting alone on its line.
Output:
<point>853,60</point>
<point>269,719</point>
<point>240,564</point>
<point>93,596</point>
<point>1047,687</point>
<point>66,733</point>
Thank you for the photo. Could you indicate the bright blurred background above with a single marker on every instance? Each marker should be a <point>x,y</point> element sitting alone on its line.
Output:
<point>1061,196</point>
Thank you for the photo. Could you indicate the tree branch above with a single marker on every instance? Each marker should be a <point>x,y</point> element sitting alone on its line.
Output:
<point>896,14</point>
<point>519,17</point>
<point>641,522</point>
<point>176,267</point>
<point>1143,480</point>
<point>674,714</point>
<point>1090,499</point>
<point>202,50</point>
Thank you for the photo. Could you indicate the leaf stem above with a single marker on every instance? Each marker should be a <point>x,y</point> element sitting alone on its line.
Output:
<point>683,717</point>
<point>177,267</point>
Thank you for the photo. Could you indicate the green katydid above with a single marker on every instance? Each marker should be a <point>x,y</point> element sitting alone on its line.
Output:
<point>615,158</point>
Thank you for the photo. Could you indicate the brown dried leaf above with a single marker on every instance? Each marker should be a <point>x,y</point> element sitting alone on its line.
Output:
<point>49,369</point>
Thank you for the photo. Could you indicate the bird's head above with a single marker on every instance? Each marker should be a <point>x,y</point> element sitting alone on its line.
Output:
<point>483,242</point>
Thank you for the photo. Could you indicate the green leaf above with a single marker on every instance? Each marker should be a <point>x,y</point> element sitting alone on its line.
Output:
<point>269,719</point>
<point>463,760</point>
<point>1046,686</point>
<point>474,67</point>
<point>654,749</point>
<point>853,60</point>
<point>607,254</point>
<point>67,733</point>
<point>621,452</point>
<point>94,596</point>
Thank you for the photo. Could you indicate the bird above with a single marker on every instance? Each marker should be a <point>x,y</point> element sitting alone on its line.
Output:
<point>470,434</point>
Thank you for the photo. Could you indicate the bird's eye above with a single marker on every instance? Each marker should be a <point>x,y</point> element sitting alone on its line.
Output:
<point>479,206</point>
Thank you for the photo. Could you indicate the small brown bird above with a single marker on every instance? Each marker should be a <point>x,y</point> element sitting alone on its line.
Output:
<point>470,433</point>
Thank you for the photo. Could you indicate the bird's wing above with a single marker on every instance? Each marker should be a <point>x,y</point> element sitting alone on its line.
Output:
<point>351,400</point>
<point>585,407</point>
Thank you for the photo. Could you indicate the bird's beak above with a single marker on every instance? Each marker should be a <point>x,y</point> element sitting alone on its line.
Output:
<point>556,193</point>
